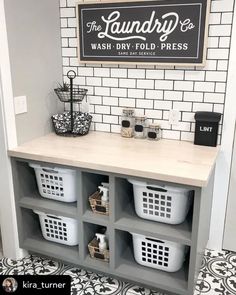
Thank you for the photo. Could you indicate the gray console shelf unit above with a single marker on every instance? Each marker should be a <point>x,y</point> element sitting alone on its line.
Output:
<point>193,232</point>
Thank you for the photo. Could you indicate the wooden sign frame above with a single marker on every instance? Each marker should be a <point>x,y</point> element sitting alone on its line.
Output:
<point>163,20</point>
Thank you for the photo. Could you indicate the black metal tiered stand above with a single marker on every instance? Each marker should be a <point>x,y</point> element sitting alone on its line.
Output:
<point>71,123</point>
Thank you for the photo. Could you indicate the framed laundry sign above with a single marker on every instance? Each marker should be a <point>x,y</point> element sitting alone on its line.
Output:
<point>160,32</point>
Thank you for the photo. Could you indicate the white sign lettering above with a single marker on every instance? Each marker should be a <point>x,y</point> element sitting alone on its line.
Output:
<point>186,25</point>
<point>205,129</point>
<point>135,28</point>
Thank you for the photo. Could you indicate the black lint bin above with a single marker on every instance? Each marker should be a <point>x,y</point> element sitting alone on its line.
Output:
<point>206,130</point>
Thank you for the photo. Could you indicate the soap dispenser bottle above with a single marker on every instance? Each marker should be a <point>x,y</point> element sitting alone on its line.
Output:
<point>105,198</point>
<point>102,242</point>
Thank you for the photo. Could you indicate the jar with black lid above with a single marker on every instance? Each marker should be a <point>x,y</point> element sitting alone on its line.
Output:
<point>154,132</point>
<point>139,127</point>
<point>127,122</point>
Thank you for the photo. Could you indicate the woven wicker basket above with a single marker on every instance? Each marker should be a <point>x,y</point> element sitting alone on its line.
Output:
<point>96,253</point>
<point>96,204</point>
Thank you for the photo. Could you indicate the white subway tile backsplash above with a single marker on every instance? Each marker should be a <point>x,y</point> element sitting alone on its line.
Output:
<point>127,83</point>
<point>80,81</point>
<point>95,99</point>
<point>67,12</point>
<point>222,5</point>
<point>211,65</point>
<point>182,106</point>
<point>73,42</point>
<point>216,76</point>
<point>222,65</point>
<point>213,42</point>
<point>102,91</point>
<point>110,82</point>
<point>97,118</point>
<point>145,84</point>
<point>94,81</point>
<point>195,75</point>
<point>220,87</point>
<point>72,52</point>
<point>153,89</point>
<point>144,103</point>
<point>214,97</point>
<point>155,74</point>
<point>202,107</point>
<point>66,61</point>
<point>193,96</point>
<point>219,108</point>
<point>219,30</point>
<point>162,105</point>
<point>188,116</point>
<point>72,22</point>
<point>63,22</point>
<point>74,61</point>
<point>62,3</point>
<point>153,114</point>
<point>119,92</point>
<point>173,95</point>
<point>110,119</point>
<point>183,85</point>
<point>127,102</point>
<point>136,73</point>
<point>119,73</point>
<point>101,72</point>
<point>224,42</point>
<point>218,53</point>
<point>111,101</point>
<point>71,3</point>
<point>204,86</point>
<point>136,93</point>
<point>227,18</point>
<point>100,109</point>
<point>116,111</point>
<point>65,42</point>
<point>154,94</point>
<point>174,74</point>
<point>164,85</point>
<point>215,18</point>
<point>84,71</point>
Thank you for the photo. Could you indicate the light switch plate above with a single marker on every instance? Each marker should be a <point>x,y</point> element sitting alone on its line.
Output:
<point>20,104</point>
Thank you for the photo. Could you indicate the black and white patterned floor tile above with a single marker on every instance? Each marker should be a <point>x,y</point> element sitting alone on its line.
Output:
<point>217,276</point>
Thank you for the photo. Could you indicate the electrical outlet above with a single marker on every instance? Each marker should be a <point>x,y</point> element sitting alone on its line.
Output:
<point>174,116</point>
<point>20,104</point>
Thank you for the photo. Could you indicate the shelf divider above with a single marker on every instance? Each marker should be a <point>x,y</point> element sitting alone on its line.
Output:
<point>36,202</point>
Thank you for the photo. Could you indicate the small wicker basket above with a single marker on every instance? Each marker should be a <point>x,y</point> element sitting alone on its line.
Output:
<point>97,205</point>
<point>96,253</point>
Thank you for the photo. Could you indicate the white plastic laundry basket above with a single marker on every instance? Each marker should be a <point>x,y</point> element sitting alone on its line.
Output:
<point>59,229</point>
<point>56,183</point>
<point>159,254</point>
<point>168,204</point>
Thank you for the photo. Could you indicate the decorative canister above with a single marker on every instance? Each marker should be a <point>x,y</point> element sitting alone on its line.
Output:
<point>127,122</point>
<point>139,127</point>
<point>154,132</point>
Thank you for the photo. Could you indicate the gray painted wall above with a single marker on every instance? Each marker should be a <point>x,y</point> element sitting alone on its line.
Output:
<point>35,54</point>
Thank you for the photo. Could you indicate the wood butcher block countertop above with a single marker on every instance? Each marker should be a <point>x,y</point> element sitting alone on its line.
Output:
<point>166,160</point>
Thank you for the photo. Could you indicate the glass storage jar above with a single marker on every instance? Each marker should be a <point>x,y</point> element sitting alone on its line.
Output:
<point>139,127</point>
<point>127,122</point>
<point>154,132</point>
